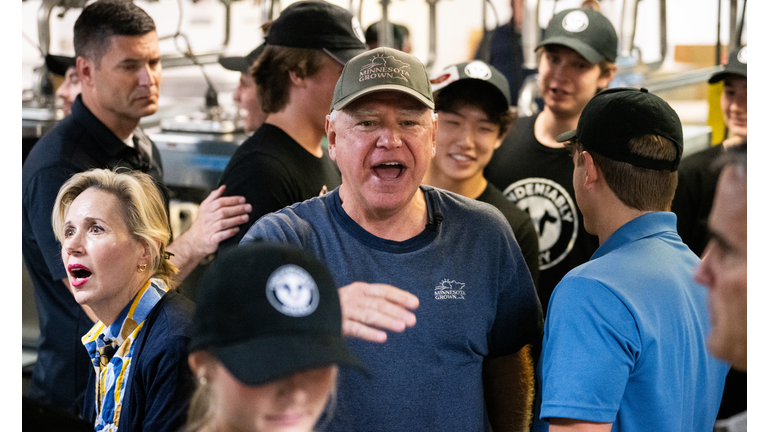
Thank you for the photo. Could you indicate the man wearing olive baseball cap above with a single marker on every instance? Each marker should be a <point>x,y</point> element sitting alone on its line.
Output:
<point>577,58</point>
<point>401,251</point>
<point>284,162</point>
<point>624,345</point>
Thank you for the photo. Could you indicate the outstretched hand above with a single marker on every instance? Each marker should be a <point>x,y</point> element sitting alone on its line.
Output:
<point>369,309</point>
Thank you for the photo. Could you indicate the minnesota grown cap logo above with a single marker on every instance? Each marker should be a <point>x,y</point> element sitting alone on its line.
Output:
<point>553,214</point>
<point>292,291</point>
<point>576,21</point>
<point>384,67</point>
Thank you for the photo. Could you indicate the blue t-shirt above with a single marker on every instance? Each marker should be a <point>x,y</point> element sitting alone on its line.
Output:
<point>625,337</point>
<point>476,299</point>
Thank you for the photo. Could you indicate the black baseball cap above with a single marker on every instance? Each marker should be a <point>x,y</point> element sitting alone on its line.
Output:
<point>59,64</point>
<point>382,69</point>
<point>585,31</point>
<point>241,64</point>
<point>615,116</point>
<point>268,310</point>
<point>737,64</point>
<point>476,71</point>
<point>318,25</point>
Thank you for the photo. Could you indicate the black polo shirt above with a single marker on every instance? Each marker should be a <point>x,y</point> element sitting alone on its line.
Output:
<point>78,143</point>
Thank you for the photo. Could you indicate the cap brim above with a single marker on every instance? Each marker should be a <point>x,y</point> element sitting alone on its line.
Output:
<point>59,64</point>
<point>343,55</point>
<point>580,47</point>
<point>259,361</point>
<point>719,76</point>
<point>567,136</point>
<point>237,64</point>
<point>383,87</point>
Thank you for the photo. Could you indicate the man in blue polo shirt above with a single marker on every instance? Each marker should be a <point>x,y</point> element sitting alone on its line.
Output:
<point>624,345</point>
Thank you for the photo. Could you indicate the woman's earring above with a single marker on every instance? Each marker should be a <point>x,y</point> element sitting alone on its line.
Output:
<point>202,380</point>
<point>142,267</point>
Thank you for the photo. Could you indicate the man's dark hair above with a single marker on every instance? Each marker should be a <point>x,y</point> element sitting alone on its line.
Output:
<point>479,94</point>
<point>103,19</point>
<point>272,69</point>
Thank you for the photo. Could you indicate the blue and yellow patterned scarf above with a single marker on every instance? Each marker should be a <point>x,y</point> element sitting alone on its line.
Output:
<point>111,349</point>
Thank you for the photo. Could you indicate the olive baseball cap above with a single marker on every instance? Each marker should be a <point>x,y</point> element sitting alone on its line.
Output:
<point>737,64</point>
<point>585,31</point>
<point>241,64</point>
<point>268,310</point>
<point>476,71</point>
<point>318,25</point>
<point>382,69</point>
<point>615,116</point>
<point>59,64</point>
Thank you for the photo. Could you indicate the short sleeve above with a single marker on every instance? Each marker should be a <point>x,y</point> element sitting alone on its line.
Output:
<point>590,345</point>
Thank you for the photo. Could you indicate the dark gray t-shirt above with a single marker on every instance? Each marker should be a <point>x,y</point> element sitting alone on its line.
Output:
<point>476,299</point>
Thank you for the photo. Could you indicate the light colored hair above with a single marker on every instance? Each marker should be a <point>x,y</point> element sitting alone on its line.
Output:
<point>143,211</point>
<point>335,113</point>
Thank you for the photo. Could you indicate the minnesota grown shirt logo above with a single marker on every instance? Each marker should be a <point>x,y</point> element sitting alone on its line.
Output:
<point>382,66</point>
<point>553,213</point>
<point>450,290</point>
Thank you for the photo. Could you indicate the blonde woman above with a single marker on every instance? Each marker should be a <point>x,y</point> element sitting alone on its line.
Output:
<point>113,229</point>
<point>266,342</point>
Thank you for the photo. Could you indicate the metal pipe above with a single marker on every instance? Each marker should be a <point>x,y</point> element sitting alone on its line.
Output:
<point>44,24</point>
<point>628,27</point>
<point>530,33</point>
<point>432,33</point>
<point>385,30</point>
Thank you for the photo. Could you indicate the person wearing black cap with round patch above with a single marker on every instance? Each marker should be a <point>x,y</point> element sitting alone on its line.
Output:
<point>284,162</point>
<point>401,250</point>
<point>245,95</point>
<point>577,59</point>
<point>266,341</point>
<point>472,100</point>
<point>696,192</point>
<point>624,345</point>
<point>68,90</point>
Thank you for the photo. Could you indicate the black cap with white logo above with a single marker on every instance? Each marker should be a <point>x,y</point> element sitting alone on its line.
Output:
<point>476,71</point>
<point>737,64</point>
<point>318,25</point>
<point>585,31</point>
<point>268,310</point>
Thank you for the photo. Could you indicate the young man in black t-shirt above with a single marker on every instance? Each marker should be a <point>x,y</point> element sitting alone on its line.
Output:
<point>472,101</point>
<point>283,162</point>
<point>578,54</point>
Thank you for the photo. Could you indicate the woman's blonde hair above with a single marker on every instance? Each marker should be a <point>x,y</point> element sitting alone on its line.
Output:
<point>143,211</point>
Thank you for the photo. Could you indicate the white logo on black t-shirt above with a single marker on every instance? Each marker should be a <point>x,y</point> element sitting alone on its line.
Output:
<point>553,213</point>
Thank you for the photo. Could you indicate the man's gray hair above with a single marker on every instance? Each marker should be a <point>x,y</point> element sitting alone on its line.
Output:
<point>335,113</point>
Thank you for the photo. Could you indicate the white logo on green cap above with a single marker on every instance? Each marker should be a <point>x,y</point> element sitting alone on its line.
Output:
<point>384,67</point>
<point>292,291</point>
<point>576,21</point>
<point>478,70</point>
<point>742,55</point>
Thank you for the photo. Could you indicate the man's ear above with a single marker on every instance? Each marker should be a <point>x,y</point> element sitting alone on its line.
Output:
<point>434,136</point>
<point>85,69</point>
<point>330,132</point>
<point>592,173</point>
<point>296,79</point>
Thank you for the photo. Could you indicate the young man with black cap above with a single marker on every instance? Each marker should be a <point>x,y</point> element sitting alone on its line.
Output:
<point>245,95</point>
<point>624,345</point>
<point>70,88</point>
<point>531,168</point>
<point>118,62</point>
<point>402,250</point>
<point>283,162</point>
<point>696,192</point>
<point>472,100</point>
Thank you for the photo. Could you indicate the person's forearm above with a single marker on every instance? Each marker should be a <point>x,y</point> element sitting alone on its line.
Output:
<point>508,387</point>
<point>185,257</point>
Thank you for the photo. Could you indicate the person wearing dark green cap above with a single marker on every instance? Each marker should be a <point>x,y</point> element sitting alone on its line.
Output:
<point>625,339</point>
<point>400,251</point>
<point>577,59</point>
<point>696,192</point>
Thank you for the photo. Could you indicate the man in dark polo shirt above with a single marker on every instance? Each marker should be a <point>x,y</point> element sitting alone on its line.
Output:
<point>118,62</point>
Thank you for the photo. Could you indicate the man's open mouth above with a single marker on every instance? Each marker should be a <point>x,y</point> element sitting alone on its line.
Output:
<point>389,170</point>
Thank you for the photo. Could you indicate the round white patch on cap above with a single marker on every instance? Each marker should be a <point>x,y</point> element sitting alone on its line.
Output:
<point>576,21</point>
<point>742,55</point>
<point>292,291</point>
<point>478,70</point>
<point>358,29</point>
